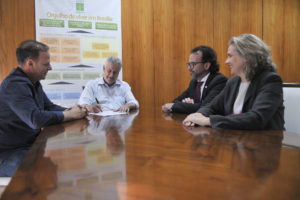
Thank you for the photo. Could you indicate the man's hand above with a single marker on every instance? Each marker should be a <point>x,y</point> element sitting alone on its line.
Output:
<point>167,107</point>
<point>75,112</point>
<point>125,108</point>
<point>188,100</point>
<point>94,108</point>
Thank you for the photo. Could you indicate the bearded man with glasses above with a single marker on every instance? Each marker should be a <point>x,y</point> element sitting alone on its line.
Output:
<point>206,82</point>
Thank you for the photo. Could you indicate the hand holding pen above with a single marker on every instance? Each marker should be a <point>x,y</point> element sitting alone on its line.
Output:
<point>97,107</point>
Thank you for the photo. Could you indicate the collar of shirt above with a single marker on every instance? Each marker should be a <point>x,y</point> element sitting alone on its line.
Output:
<point>102,82</point>
<point>20,72</point>
<point>204,79</point>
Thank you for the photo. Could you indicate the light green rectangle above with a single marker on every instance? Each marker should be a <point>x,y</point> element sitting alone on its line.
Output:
<point>52,23</point>
<point>91,75</point>
<point>80,24</point>
<point>79,6</point>
<point>71,76</point>
<point>53,76</point>
<point>106,26</point>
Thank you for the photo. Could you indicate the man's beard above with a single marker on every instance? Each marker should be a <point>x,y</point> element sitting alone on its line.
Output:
<point>199,75</point>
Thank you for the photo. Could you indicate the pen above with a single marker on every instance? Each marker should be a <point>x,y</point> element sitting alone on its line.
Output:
<point>97,100</point>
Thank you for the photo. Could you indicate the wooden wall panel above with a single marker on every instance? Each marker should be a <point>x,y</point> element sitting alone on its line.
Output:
<point>179,26</point>
<point>232,18</point>
<point>16,24</point>
<point>281,25</point>
<point>137,53</point>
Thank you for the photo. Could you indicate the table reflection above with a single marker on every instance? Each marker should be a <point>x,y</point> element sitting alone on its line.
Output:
<point>173,116</point>
<point>253,155</point>
<point>10,160</point>
<point>90,152</point>
<point>36,177</point>
<point>112,129</point>
<point>253,152</point>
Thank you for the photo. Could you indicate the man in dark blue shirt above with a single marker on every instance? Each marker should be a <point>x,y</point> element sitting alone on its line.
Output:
<point>24,107</point>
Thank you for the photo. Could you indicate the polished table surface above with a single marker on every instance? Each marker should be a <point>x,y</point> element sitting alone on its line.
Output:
<point>152,156</point>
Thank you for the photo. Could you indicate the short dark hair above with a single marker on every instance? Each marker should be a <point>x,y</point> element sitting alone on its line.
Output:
<point>29,49</point>
<point>208,55</point>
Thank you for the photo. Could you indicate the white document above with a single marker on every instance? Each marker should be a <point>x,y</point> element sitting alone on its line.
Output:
<point>108,113</point>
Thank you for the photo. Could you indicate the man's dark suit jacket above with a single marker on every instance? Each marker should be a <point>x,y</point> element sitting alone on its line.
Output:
<point>213,86</point>
<point>263,105</point>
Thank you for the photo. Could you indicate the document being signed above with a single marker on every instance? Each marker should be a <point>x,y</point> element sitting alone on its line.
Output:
<point>108,113</point>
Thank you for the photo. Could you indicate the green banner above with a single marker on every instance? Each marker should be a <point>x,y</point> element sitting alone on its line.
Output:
<point>52,23</point>
<point>80,24</point>
<point>106,26</point>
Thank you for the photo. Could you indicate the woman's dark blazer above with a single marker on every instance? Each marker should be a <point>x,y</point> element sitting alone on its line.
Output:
<point>263,106</point>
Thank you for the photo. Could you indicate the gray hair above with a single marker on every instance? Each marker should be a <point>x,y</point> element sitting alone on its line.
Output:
<point>256,53</point>
<point>30,49</point>
<point>114,60</point>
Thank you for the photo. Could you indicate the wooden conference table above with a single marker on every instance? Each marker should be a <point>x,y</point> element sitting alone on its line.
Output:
<point>152,156</point>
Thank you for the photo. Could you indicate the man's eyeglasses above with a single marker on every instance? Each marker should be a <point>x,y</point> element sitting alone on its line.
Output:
<point>191,65</point>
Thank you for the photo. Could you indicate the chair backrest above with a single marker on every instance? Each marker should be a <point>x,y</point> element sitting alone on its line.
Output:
<point>4,181</point>
<point>291,97</point>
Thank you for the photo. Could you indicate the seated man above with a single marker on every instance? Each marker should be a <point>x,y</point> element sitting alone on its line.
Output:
<point>24,106</point>
<point>108,93</point>
<point>206,80</point>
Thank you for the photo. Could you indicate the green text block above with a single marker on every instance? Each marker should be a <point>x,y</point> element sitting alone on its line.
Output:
<point>52,23</point>
<point>106,26</point>
<point>80,24</point>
